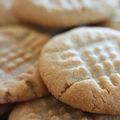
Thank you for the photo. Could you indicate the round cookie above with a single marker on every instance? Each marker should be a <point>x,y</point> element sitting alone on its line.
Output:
<point>19,76</point>
<point>64,13</point>
<point>82,69</point>
<point>7,16</point>
<point>46,109</point>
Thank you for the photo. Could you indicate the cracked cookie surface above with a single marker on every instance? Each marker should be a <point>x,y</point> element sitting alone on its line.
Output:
<point>82,69</point>
<point>19,76</point>
<point>46,109</point>
<point>64,13</point>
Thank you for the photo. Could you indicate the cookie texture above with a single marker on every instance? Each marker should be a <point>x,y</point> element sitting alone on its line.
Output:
<point>19,51</point>
<point>64,13</point>
<point>7,16</point>
<point>46,109</point>
<point>114,22</point>
<point>82,69</point>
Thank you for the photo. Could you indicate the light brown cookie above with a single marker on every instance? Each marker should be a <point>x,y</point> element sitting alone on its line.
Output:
<point>46,109</point>
<point>64,13</point>
<point>114,22</point>
<point>82,69</point>
<point>7,16</point>
<point>19,51</point>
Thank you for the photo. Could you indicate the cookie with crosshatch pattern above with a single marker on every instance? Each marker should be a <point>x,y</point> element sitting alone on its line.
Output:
<point>82,69</point>
<point>46,109</point>
<point>19,77</point>
<point>64,13</point>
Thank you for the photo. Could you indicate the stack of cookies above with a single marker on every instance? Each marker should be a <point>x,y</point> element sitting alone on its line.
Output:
<point>59,60</point>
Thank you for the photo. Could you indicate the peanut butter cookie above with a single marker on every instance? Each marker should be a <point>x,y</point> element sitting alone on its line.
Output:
<point>64,13</point>
<point>19,77</point>
<point>82,69</point>
<point>46,109</point>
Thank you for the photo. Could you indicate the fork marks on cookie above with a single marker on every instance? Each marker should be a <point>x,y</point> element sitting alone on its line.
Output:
<point>97,60</point>
<point>20,53</point>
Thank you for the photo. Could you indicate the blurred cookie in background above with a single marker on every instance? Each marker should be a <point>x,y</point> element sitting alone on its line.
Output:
<point>114,21</point>
<point>46,109</point>
<point>7,16</point>
<point>64,13</point>
<point>19,76</point>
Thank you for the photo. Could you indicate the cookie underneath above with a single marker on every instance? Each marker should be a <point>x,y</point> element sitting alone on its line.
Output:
<point>46,109</point>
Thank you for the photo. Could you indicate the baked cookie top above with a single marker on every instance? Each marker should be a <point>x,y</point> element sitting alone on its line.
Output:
<point>19,77</point>
<point>64,13</point>
<point>82,69</point>
<point>46,109</point>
